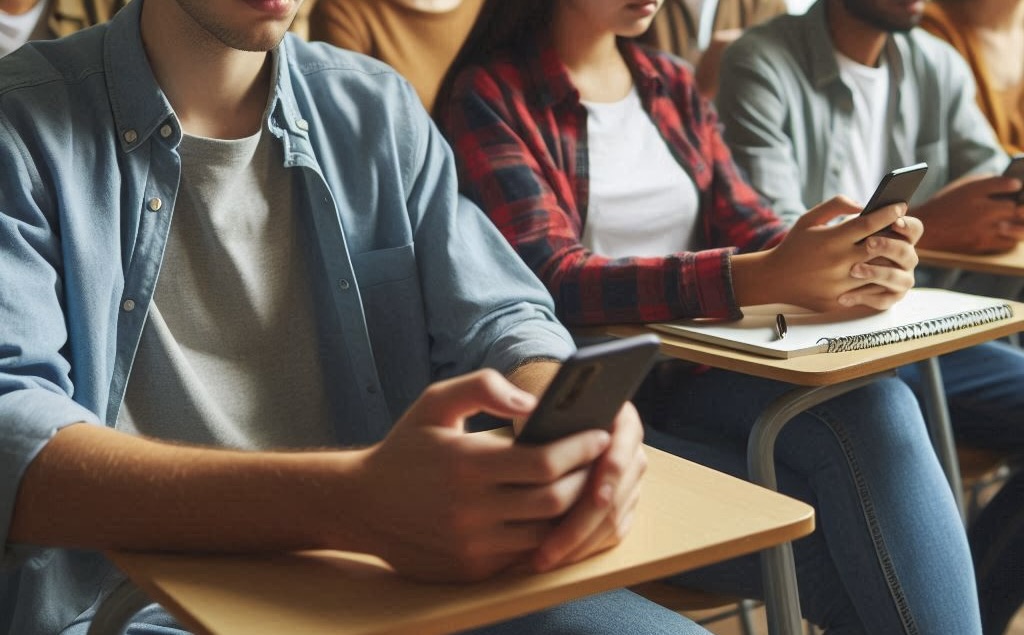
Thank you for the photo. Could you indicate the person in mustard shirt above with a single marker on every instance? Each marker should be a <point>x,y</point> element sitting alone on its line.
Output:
<point>700,30</point>
<point>989,34</point>
<point>419,38</point>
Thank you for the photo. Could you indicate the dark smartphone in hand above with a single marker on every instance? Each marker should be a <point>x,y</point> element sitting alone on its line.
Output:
<point>897,186</point>
<point>590,389</point>
<point>1015,170</point>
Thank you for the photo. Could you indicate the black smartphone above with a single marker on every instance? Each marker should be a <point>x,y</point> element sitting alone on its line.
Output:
<point>1016,170</point>
<point>897,186</point>
<point>590,388</point>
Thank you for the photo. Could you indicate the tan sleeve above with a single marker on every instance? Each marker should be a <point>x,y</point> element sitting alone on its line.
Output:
<point>743,14</point>
<point>68,16</point>
<point>671,29</point>
<point>343,23</point>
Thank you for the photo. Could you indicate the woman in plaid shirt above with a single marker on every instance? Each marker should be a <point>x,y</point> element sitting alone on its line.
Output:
<point>602,165</point>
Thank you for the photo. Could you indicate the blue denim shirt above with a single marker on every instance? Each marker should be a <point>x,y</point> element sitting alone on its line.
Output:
<point>412,283</point>
<point>788,115</point>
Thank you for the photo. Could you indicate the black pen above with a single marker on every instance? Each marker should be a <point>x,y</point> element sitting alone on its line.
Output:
<point>780,326</point>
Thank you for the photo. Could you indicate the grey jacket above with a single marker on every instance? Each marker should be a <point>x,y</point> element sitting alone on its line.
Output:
<point>787,114</point>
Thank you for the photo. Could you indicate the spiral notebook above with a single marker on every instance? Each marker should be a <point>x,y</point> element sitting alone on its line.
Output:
<point>921,313</point>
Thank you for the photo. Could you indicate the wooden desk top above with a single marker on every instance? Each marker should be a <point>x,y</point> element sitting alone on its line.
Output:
<point>688,516</point>
<point>1009,264</point>
<point>823,369</point>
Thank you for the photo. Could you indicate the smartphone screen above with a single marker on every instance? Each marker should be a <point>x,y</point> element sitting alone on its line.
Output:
<point>590,388</point>
<point>897,186</point>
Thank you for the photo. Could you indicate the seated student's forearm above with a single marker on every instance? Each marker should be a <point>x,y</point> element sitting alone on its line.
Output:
<point>534,378</point>
<point>753,280</point>
<point>92,487</point>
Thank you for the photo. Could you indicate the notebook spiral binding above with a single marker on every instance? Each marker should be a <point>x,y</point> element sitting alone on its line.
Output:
<point>918,330</point>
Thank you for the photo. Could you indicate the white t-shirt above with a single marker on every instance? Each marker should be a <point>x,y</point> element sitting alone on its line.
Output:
<point>869,136</point>
<point>798,7</point>
<point>642,202</point>
<point>15,30</point>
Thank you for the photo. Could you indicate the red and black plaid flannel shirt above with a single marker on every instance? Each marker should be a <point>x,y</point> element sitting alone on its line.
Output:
<point>520,138</point>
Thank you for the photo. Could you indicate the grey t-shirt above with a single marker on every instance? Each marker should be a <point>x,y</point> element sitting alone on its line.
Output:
<point>228,356</point>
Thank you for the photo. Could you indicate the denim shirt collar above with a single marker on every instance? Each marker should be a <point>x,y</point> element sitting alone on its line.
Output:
<point>140,107</point>
<point>137,102</point>
<point>824,69</point>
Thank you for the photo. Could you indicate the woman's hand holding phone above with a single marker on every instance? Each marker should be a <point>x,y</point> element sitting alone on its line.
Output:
<point>824,266</point>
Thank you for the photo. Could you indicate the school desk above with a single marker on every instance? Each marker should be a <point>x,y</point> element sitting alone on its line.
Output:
<point>688,516</point>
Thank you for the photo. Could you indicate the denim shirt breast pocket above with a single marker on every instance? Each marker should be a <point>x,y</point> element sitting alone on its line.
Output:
<point>389,284</point>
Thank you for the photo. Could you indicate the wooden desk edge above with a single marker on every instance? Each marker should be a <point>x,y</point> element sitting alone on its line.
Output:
<point>1007,264</point>
<point>534,592</point>
<point>529,601</point>
<point>896,355</point>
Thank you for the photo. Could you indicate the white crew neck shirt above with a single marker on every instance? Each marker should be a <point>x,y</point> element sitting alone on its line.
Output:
<point>15,30</point>
<point>642,203</point>
<point>870,126</point>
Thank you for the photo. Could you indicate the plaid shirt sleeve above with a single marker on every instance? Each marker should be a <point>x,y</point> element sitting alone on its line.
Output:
<point>506,164</point>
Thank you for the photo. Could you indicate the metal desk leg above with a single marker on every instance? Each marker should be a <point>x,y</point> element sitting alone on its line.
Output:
<point>940,428</point>
<point>116,611</point>
<point>782,600</point>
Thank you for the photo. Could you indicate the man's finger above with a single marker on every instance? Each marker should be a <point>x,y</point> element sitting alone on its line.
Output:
<point>451,401</point>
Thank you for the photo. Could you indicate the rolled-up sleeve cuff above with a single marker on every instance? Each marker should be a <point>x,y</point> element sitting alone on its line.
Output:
<point>28,420</point>
<point>712,277</point>
<point>545,340</point>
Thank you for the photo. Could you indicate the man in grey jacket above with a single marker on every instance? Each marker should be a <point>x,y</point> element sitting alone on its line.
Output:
<point>826,103</point>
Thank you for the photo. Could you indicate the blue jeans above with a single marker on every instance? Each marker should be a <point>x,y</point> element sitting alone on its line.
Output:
<point>889,554</point>
<point>985,391</point>
<point>618,612</point>
<point>986,406</point>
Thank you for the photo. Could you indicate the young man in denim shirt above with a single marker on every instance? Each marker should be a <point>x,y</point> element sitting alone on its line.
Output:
<point>159,378</point>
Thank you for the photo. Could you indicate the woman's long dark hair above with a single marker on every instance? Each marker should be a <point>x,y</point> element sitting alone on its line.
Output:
<point>499,26</point>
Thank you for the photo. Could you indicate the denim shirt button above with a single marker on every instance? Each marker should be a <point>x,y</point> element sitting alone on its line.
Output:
<point>302,124</point>
<point>129,305</point>
<point>155,204</point>
<point>131,136</point>
<point>166,130</point>
<point>343,283</point>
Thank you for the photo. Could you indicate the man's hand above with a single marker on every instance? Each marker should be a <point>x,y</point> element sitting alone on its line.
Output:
<point>602,517</point>
<point>973,215</point>
<point>439,504</point>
